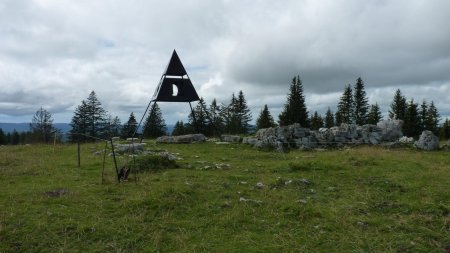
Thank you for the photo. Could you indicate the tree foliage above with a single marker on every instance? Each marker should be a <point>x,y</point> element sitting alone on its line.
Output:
<point>265,119</point>
<point>89,120</point>
<point>345,110</point>
<point>411,126</point>
<point>155,125</point>
<point>130,127</point>
<point>316,121</point>
<point>361,105</point>
<point>398,106</point>
<point>295,110</point>
<point>42,125</point>
<point>329,118</point>
<point>374,115</point>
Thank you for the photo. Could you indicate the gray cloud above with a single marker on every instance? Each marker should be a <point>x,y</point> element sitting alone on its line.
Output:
<point>53,53</point>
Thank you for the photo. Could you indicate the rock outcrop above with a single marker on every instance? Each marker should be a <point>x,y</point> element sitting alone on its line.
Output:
<point>295,136</point>
<point>427,141</point>
<point>188,138</point>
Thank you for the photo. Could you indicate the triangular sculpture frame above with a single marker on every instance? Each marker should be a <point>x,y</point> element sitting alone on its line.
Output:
<point>174,86</point>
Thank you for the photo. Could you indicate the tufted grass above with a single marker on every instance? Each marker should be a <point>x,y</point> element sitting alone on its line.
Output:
<point>364,199</point>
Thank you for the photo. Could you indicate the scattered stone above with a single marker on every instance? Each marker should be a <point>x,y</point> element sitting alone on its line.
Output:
<point>222,143</point>
<point>303,201</point>
<point>188,138</point>
<point>242,182</point>
<point>222,166</point>
<point>230,138</point>
<point>406,140</point>
<point>129,148</point>
<point>259,185</point>
<point>131,139</point>
<point>57,193</point>
<point>427,141</point>
<point>97,153</point>
<point>242,199</point>
<point>115,138</point>
<point>284,138</point>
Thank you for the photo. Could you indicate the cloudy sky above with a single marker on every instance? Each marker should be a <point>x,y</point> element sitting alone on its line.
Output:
<point>54,52</point>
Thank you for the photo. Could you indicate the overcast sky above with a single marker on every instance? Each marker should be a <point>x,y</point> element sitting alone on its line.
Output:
<point>54,52</point>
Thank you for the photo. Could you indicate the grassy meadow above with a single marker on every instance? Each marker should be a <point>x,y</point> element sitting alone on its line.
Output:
<point>226,198</point>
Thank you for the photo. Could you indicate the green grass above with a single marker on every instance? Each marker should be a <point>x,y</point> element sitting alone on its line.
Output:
<point>364,199</point>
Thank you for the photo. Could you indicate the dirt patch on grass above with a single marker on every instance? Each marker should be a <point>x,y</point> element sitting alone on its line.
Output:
<point>57,193</point>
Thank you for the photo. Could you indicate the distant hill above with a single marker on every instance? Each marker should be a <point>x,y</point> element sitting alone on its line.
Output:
<point>64,127</point>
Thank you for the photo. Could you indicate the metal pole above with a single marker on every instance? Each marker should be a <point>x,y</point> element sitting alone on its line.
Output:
<point>78,148</point>
<point>115,161</point>
<point>104,159</point>
<point>193,116</point>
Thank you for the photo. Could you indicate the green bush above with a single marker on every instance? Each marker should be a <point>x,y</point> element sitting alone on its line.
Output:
<point>152,163</point>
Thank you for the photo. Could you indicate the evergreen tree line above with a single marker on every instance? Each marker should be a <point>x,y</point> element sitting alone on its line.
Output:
<point>353,108</point>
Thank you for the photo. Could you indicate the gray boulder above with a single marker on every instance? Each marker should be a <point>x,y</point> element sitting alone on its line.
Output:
<point>391,130</point>
<point>230,138</point>
<point>427,141</point>
<point>129,148</point>
<point>188,138</point>
<point>249,140</point>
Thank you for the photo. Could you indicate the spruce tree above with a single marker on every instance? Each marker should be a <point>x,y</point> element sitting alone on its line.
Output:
<point>265,119</point>
<point>445,130</point>
<point>316,121</point>
<point>243,113</point>
<point>130,127</point>
<point>423,115</point>
<point>89,120</point>
<point>217,123</point>
<point>398,106</point>
<point>2,137</point>
<point>345,110</point>
<point>179,129</point>
<point>329,119</point>
<point>155,125</point>
<point>79,123</point>
<point>114,126</point>
<point>201,122</point>
<point>374,115</point>
<point>411,126</point>
<point>96,116</point>
<point>361,105</point>
<point>15,137</point>
<point>42,125</point>
<point>295,110</point>
<point>432,118</point>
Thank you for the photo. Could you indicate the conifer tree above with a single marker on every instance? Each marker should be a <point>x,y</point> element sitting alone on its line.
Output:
<point>265,119</point>
<point>345,110</point>
<point>361,105</point>
<point>217,123</point>
<point>130,127</point>
<point>374,115</point>
<point>295,110</point>
<point>201,122</point>
<point>42,125</point>
<point>411,126</point>
<point>423,114</point>
<point>329,118</point>
<point>316,121</point>
<point>2,137</point>
<point>79,123</point>
<point>114,126</point>
<point>243,113</point>
<point>445,130</point>
<point>15,137</point>
<point>432,119</point>
<point>89,119</point>
<point>155,125</point>
<point>398,106</point>
<point>179,129</point>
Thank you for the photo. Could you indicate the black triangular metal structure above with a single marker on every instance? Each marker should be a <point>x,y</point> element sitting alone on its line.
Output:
<point>176,88</point>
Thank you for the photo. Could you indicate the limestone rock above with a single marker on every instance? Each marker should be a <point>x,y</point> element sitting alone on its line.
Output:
<point>391,130</point>
<point>230,138</point>
<point>427,141</point>
<point>188,138</point>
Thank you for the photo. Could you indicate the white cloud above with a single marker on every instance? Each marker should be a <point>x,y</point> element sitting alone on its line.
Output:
<point>53,53</point>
